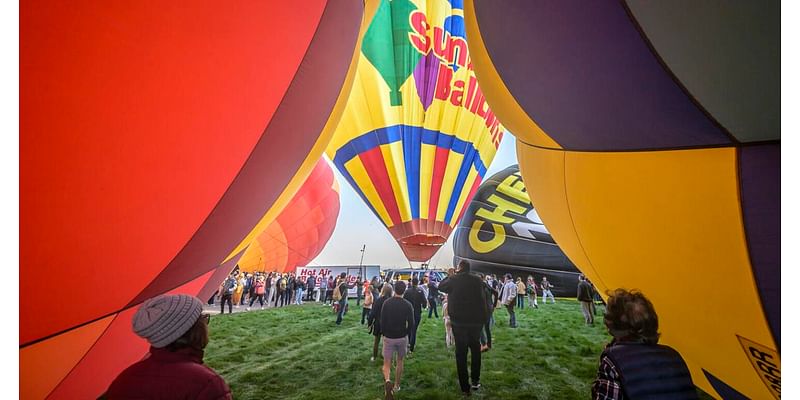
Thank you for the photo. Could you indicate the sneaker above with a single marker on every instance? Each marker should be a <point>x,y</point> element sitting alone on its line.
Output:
<point>372,358</point>
<point>247,309</point>
<point>397,388</point>
<point>387,391</point>
<point>475,386</point>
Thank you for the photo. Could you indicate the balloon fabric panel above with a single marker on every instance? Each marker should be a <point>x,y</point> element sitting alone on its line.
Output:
<point>301,231</point>
<point>44,365</point>
<point>76,83</point>
<point>114,351</point>
<point>637,105</point>
<point>597,82</point>
<point>324,70</point>
<point>417,133</point>
<point>502,233</point>
<point>738,80</point>
<point>759,176</point>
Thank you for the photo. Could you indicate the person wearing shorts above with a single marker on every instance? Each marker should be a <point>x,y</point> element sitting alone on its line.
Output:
<point>397,320</point>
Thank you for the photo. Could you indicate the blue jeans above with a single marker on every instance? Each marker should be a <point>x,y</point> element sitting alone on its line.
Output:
<point>340,314</point>
<point>432,307</point>
<point>298,298</point>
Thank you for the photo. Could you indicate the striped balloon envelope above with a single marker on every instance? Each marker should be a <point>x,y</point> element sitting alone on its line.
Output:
<point>301,230</point>
<point>648,135</point>
<point>417,135</point>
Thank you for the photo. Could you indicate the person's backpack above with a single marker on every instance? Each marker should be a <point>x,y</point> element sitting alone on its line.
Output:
<point>337,295</point>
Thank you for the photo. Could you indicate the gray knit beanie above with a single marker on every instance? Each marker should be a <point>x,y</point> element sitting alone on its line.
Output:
<point>165,318</point>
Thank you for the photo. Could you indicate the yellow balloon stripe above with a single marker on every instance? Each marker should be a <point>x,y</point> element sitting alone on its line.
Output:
<point>356,169</point>
<point>448,183</point>
<point>428,153</point>
<point>462,197</point>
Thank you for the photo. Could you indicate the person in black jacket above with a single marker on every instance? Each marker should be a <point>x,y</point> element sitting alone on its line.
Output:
<point>417,299</point>
<point>311,281</point>
<point>634,366</point>
<point>397,322</point>
<point>468,311</point>
<point>374,319</point>
<point>433,297</point>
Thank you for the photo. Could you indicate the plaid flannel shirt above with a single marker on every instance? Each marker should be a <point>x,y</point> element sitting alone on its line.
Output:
<point>607,386</point>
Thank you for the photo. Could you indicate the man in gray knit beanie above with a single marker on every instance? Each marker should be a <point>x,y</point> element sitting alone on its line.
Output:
<point>174,369</point>
<point>165,318</point>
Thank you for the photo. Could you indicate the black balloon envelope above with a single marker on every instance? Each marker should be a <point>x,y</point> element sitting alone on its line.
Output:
<point>502,233</point>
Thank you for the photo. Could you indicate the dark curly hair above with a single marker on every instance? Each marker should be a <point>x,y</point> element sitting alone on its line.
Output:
<point>631,316</point>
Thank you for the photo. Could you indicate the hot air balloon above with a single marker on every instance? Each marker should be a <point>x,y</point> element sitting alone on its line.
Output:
<point>649,138</point>
<point>154,142</point>
<point>417,135</point>
<point>501,232</point>
<point>301,231</point>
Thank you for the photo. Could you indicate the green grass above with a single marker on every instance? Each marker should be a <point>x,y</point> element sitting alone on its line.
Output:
<point>298,352</point>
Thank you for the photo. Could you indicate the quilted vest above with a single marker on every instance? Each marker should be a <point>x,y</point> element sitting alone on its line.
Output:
<point>653,372</point>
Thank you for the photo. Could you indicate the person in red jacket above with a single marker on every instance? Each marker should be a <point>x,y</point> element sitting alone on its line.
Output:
<point>178,332</point>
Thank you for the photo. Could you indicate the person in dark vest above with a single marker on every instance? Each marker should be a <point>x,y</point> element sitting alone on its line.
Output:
<point>634,366</point>
<point>468,311</point>
<point>177,330</point>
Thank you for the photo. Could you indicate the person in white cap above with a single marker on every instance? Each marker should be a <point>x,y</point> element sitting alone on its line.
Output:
<point>178,332</point>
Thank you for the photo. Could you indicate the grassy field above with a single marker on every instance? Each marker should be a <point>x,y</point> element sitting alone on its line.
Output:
<point>297,352</point>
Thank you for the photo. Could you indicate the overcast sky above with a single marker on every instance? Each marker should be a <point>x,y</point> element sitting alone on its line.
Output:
<point>357,226</point>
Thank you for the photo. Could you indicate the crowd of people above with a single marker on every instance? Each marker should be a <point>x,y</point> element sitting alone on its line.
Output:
<point>177,331</point>
<point>275,289</point>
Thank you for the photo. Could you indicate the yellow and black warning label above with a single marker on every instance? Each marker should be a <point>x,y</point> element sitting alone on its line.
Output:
<point>767,364</point>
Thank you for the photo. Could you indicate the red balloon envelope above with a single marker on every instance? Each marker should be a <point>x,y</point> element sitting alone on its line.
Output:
<point>301,230</point>
<point>147,134</point>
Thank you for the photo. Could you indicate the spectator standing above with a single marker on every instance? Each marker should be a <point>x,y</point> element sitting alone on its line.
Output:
<point>300,286</point>
<point>323,288</point>
<point>374,319</point>
<point>433,298</point>
<point>280,292</point>
<point>341,289</point>
<point>418,301</point>
<point>546,286</point>
<point>269,287</point>
<point>369,298</point>
<point>311,282</point>
<point>397,322</point>
<point>634,365</point>
<point>531,289</point>
<point>226,291</point>
<point>468,312</point>
<point>521,293</point>
<point>251,281</point>
<point>290,289</point>
<point>585,297</point>
<point>177,332</point>
<point>259,290</point>
<point>359,290</point>
<point>239,291</point>
<point>331,286</point>
<point>486,332</point>
<point>507,298</point>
